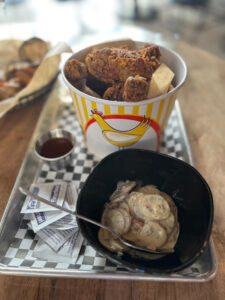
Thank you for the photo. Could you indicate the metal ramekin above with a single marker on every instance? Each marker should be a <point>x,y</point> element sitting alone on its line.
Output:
<point>59,162</point>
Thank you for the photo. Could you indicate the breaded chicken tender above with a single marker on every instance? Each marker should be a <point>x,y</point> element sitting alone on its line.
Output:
<point>117,64</point>
<point>134,89</point>
<point>114,92</point>
<point>75,70</point>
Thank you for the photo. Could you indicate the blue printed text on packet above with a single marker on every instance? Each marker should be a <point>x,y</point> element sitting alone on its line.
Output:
<point>40,217</point>
<point>32,204</point>
<point>55,193</point>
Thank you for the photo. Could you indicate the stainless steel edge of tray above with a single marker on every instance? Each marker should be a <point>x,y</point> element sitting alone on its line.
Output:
<point>28,172</point>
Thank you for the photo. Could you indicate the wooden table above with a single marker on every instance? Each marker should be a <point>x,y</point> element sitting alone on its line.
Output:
<point>203,90</point>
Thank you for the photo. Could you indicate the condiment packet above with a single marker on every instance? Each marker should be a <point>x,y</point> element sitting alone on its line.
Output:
<point>65,223</point>
<point>54,192</point>
<point>55,238</point>
<point>42,219</point>
<point>69,221</point>
<point>28,217</point>
<point>71,197</point>
<point>57,231</point>
<point>68,253</point>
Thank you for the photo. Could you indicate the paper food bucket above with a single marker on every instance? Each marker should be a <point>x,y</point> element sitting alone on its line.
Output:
<point>112,125</point>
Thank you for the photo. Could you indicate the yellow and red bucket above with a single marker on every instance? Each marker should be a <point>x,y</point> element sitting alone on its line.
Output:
<point>112,125</point>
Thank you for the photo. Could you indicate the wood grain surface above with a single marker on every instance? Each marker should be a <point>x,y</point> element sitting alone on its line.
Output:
<point>205,79</point>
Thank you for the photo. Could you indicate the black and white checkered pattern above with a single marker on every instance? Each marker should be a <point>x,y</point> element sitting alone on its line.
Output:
<point>171,138</point>
<point>19,254</point>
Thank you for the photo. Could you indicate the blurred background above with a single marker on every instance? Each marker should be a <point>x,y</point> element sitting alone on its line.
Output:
<point>82,22</point>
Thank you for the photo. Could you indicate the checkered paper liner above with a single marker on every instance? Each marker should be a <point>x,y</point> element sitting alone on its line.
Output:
<point>19,253</point>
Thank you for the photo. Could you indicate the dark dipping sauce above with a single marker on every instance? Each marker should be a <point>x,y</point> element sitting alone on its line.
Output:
<point>55,147</point>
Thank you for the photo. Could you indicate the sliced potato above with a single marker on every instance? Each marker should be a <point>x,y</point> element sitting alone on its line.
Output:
<point>168,223</point>
<point>107,240</point>
<point>118,197</point>
<point>150,235</point>
<point>104,216</point>
<point>127,218</point>
<point>133,203</point>
<point>160,81</point>
<point>133,234</point>
<point>109,212</point>
<point>153,207</point>
<point>122,190</point>
<point>148,189</point>
<point>147,218</point>
<point>171,203</point>
<point>125,206</point>
<point>148,207</point>
<point>153,235</point>
<point>172,239</point>
<point>115,220</point>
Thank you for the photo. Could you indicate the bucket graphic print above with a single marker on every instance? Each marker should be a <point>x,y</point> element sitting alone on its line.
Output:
<point>108,127</point>
<point>112,125</point>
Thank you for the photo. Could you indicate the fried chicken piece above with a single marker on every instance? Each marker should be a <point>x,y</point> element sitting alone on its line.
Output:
<point>8,90</point>
<point>114,92</point>
<point>30,70</point>
<point>98,65</point>
<point>21,76</point>
<point>75,70</point>
<point>20,66</point>
<point>15,80</point>
<point>135,89</point>
<point>116,64</point>
<point>148,45</point>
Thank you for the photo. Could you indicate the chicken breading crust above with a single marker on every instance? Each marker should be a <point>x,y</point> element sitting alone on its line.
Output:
<point>134,89</point>
<point>117,64</point>
<point>75,70</point>
<point>114,92</point>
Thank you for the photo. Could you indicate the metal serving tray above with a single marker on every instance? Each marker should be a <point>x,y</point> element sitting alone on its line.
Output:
<point>18,242</point>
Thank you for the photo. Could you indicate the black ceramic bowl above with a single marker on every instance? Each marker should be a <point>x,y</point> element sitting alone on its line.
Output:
<point>175,177</point>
